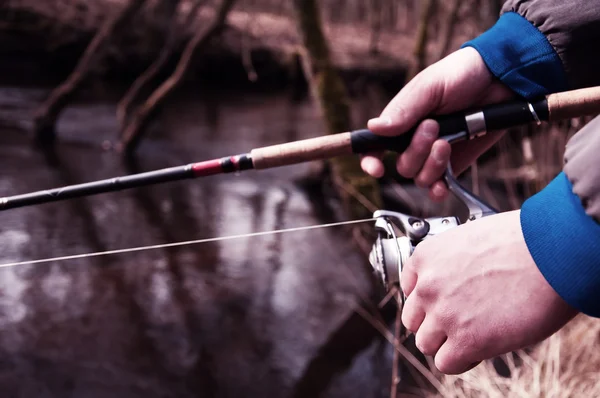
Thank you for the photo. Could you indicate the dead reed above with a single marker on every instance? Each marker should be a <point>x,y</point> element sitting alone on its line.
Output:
<point>565,365</point>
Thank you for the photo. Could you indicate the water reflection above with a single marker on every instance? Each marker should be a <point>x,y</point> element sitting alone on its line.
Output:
<point>269,316</point>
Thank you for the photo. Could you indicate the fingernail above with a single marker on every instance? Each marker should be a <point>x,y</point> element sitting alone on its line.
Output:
<point>368,167</point>
<point>383,121</point>
<point>438,156</point>
<point>371,169</point>
<point>438,190</point>
<point>429,130</point>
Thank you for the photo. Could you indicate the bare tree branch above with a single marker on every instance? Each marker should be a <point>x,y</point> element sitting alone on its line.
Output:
<point>134,131</point>
<point>46,116</point>
<point>165,54</point>
<point>331,94</point>
<point>375,22</point>
<point>397,344</point>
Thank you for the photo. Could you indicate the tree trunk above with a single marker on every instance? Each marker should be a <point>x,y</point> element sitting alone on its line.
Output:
<point>448,32</point>
<point>134,131</point>
<point>392,15</point>
<point>330,92</point>
<point>165,54</point>
<point>46,116</point>
<point>420,51</point>
<point>375,23</point>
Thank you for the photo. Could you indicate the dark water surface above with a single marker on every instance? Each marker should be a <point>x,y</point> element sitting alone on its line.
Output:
<point>268,316</point>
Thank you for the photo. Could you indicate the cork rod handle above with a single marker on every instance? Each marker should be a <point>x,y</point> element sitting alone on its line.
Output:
<point>554,107</point>
<point>302,151</point>
<point>575,103</point>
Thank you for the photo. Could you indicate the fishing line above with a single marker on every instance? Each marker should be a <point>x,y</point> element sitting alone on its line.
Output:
<point>184,243</point>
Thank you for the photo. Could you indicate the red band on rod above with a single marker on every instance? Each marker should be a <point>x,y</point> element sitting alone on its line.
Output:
<point>207,168</point>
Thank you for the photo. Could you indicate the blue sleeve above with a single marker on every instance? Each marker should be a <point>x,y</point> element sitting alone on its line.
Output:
<point>518,54</point>
<point>565,244</point>
<point>562,239</point>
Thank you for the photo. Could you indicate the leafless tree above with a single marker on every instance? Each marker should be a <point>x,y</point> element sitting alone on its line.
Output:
<point>135,129</point>
<point>46,116</point>
<point>420,51</point>
<point>166,53</point>
<point>448,31</point>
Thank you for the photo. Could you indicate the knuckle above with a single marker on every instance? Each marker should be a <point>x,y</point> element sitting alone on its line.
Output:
<point>424,344</point>
<point>409,319</point>
<point>438,191</point>
<point>405,281</point>
<point>398,110</point>
<point>418,258</point>
<point>409,323</point>
<point>424,179</point>
<point>451,362</point>
<point>399,113</point>
<point>427,82</point>
<point>422,144</point>
<point>426,292</point>
<point>446,363</point>
<point>446,316</point>
<point>406,286</point>
<point>406,166</point>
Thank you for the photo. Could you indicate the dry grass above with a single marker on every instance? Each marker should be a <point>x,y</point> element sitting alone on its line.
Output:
<point>568,363</point>
<point>565,365</point>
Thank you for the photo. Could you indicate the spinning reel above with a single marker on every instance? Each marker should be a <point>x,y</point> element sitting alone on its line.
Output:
<point>391,251</point>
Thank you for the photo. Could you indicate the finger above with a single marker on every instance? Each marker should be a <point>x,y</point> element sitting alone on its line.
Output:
<point>430,336</point>
<point>412,315</point>
<point>451,360</point>
<point>440,88</point>
<point>435,165</point>
<point>412,160</point>
<point>471,366</point>
<point>464,153</point>
<point>416,100</point>
<point>438,191</point>
<point>408,280</point>
<point>372,164</point>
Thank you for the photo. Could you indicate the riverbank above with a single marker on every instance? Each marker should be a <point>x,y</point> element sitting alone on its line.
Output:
<point>259,45</point>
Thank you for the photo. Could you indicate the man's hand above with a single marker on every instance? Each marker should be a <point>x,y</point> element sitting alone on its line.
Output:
<point>474,292</point>
<point>457,82</point>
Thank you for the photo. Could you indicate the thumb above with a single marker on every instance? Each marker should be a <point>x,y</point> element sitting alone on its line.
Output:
<point>451,84</point>
<point>419,98</point>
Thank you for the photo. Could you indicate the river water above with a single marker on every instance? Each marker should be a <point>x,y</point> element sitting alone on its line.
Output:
<point>269,316</point>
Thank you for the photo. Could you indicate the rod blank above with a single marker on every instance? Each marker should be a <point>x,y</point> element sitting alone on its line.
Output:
<point>554,107</point>
<point>97,187</point>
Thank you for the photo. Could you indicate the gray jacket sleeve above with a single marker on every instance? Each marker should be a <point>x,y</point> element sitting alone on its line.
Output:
<point>582,167</point>
<point>572,28</point>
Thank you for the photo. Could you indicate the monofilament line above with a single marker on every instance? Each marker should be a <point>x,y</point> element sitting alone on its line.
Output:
<point>183,243</point>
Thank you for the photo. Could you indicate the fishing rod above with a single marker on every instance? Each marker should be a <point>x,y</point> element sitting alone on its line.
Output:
<point>454,127</point>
